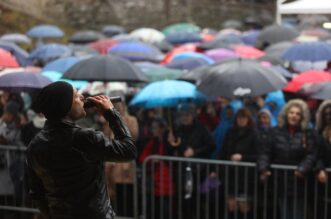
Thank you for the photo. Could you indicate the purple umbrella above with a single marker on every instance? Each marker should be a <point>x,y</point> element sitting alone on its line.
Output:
<point>220,54</point>
<point>23,81</point>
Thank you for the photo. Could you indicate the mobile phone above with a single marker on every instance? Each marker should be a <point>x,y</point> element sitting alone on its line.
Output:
<point>89,104</point>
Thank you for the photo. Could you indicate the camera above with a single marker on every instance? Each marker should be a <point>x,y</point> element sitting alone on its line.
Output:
<point>89,104</point>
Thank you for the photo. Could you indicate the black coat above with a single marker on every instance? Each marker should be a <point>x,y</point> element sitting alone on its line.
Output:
<point>299,149</point>
<point>66,171</point>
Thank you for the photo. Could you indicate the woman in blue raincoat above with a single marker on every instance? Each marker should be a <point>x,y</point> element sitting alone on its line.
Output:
<point>274,102</point>
<point>227,118</point>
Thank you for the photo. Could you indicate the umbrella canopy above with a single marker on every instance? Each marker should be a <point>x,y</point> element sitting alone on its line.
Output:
<point>57,76</point>
<point>166,93</point>
<point>183,37</point>
<point>16,38</point>
<point>187,64</point>
<point>309,51</point>
<point>323,91</point>
<point>86,36</point>
<point>7,60</point>
<point>82,50</point>
<point>278,49</point>
<point>48,52</point>
<point>20,54</point>
<point>158,72</point>
<point>112,30</point>
<point>187,55</point>
<point>102,46</point>
<point>105,68</point>
<point>164,46</point>
<point>223,41</point>
<point>148,35</point>
<point>22,81</point>
<point>45,31</point>
<point>136,51</point>
<point>180,27</point>
<point>275,33</point>
<point>62,64</point>
<point>250,37</point>
<point>192,47</point>
<point>124,38</point>
<point>220,54</point>
<point>240,77</point>
<point>307,77</point>
<point>196,74</point>
<point>248,52</point>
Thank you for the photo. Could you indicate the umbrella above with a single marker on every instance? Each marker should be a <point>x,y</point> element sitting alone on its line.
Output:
<point>102,46</point>
<point>278,49</point>
<point>240,77</point>
<point>86,36</point>
<point>16,38</point>
<point>250,37</point>
<point>62,64</point>
<point>45,31</point>
<point>272,59</point>
<point>195,75</point>
<point>309,51</point>
<point>323,91</point>
<point>181,27</point>
<point>82,50</point>
<point>23,81</point>
<point>183,37</point>
<point>220,54</point>
<point>112,30</point>
<point>148,35</point>
<point>187,64</point>
<point>124,38</point>
<point>166,93</point>
<point>164,46</point>
<point>248,52</point>
<point>307,77</point>
<point>275,33</point>
<point>47,52</point>
<point>57,76</point>
<point>156,72</point>
<point>223,41</point>
<point>136,51</point>
<point>105,68</point>
<point>7,60</point>
<point>20,54</point>
<point>187,55</point>
<point>283,71</point>
<point>192,47</point>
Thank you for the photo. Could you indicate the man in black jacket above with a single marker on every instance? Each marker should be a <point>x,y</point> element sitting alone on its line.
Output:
<point>65,163</point>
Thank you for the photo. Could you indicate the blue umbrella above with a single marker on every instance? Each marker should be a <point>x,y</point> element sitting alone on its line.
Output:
<point>250,37</point>
<point>57,76</point>
<point>112,30</point>
<point>308,51</point>
<point>16,38</point>
<point>186,55</point>
<point>166,93</point>
<point>136,51</point>
<point>49,51</point>
<point>23,81</point>
<point>45,31</point>
<point>20,54</point>
<point>183,37</point>
<point>187,64</point>
<point>62,64</point>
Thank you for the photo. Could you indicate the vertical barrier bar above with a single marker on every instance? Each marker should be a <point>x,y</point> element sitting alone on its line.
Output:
<point>246,191</point>
<point>217,195</point>
<point>226,214</point>
<point>162,189</point>
<point>207,196</point>
<point>198,175</point>
<point>153,190</point>
<point>180,192</point>
<point>295,196</point>
<point>256,201</point>
<point>275,193</point>
<point>171,189</point>
<point>144,189</point>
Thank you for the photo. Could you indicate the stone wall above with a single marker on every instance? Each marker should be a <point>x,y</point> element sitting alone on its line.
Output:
<point>93,14</point>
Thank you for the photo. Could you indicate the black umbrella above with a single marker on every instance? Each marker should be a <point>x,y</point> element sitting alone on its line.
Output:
<point>278,49</point>
<point>240,78</point>
<point>87,36</point>
<point>320,91</point>
<point>275,33</point>
<point>112,30</point>
<point>105,68</point>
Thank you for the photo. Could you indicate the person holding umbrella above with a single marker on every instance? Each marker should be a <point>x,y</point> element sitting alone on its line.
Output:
<point>65,163</point>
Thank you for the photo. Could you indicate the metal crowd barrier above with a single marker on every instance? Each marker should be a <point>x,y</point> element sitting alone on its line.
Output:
<point>175,187</point>
<point>15,202</point>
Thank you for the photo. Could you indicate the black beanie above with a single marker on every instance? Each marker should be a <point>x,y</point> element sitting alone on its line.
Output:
<point>54,100</point>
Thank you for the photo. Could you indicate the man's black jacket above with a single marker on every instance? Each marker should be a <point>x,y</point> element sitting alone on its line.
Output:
<point>65,168</point>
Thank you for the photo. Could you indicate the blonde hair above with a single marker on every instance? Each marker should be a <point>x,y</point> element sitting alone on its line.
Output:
<point>282,117</point>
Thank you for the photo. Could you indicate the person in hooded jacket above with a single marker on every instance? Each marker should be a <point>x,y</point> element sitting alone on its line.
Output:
<point>274,102</point>
<point>323,116</point>
<point>65,163</point>
<point>292,142</point>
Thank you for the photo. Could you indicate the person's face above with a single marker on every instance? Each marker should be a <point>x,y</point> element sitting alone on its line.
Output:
<point>77,110</point>
<point>264,120</point>
<point>327,115</point>
<point>294,116</point>
<point>186,118</point>
<point>242,121</point>
<point>8,117</point>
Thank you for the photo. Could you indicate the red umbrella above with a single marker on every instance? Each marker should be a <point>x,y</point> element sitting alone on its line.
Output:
<point>189,47</point>
<point>248,52</point>
<point>7,60</point>
<point>103,45</point>
<point>307,77</point>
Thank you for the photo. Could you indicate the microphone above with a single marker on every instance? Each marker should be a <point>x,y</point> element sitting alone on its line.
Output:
<point>89,104</point>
